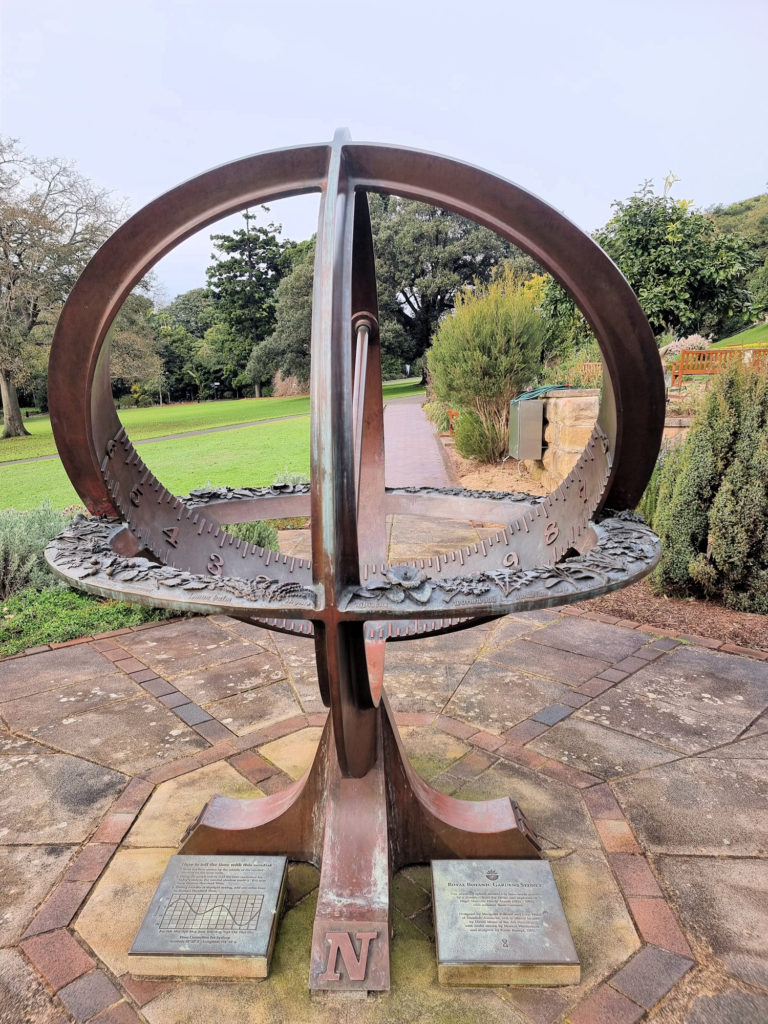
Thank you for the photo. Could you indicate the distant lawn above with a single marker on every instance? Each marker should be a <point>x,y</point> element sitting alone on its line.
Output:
<point>249,457</point>
<point>755,337</point>
<point>158,421</point>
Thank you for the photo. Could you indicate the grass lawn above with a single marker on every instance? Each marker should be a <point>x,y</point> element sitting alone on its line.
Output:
<point>158,421</point>
<point>249,457</point>
<point>755,337</point>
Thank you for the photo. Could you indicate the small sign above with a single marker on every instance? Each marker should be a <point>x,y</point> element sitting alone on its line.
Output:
<point>501,922</point>
<point>215,906</point>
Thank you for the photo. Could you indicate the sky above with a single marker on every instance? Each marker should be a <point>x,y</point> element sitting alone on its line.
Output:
<point>576,102</point>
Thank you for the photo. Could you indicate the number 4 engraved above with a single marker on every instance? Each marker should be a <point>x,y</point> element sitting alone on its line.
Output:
<point>171,534</point>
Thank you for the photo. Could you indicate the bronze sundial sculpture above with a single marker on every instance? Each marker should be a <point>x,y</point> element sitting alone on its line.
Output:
<point>360,812</point>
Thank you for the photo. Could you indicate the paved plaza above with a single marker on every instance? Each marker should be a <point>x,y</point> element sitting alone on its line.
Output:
<point>641,760</point>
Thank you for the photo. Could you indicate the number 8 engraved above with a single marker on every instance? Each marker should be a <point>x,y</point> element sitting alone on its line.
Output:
<point>215,563</point>
<point>552,532</point>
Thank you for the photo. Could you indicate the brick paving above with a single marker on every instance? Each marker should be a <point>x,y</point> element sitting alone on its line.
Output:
<point>667,855</point>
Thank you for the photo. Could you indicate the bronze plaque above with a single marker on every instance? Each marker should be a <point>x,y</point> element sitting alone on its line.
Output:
<point>214,906</point>
<point>501,922</point>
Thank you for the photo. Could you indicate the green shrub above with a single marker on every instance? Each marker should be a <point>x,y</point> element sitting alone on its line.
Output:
<point>570,368</point>
<point>23,536</point>
<point>477,440</point>
<point>262,533</point>
<point>650,499</point>
<point>59,613</point>
<point>287,477</point>
<point>712,512</point>
<point>486,353</point>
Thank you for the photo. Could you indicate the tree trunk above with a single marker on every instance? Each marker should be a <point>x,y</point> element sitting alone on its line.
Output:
<point>257,389</point>
<point>14,424</point>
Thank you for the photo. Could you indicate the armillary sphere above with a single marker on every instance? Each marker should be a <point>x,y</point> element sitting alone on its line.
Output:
<point>360,812</point>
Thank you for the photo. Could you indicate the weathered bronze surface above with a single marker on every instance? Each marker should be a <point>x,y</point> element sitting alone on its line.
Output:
<point>501,922</point>
<point>360,811</point>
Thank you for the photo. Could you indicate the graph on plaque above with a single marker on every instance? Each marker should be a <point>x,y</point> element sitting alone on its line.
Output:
<point>207,912</point>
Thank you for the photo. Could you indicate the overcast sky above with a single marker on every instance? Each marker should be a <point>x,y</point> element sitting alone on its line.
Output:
<point>577,102</point>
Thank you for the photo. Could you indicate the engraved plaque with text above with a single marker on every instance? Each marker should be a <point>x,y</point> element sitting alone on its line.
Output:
<point>214,906</point>
<point>501,922</point>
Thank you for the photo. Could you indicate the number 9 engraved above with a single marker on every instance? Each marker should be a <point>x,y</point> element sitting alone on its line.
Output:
<point>511,559</point>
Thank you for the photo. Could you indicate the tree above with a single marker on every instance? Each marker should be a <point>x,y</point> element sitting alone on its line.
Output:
<point>424,257</point>
<point>52,220</point>
<point>749,218</point>
<point>134,359</point>
<point>249,265</point>
<point>689,277</point>
<point>287,347</point>
<point>485,354</point>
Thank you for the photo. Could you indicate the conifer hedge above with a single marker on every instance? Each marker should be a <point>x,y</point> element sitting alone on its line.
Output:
<point>712,509</point>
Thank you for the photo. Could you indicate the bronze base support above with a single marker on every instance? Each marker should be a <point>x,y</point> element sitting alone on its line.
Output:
<point>359,832</point>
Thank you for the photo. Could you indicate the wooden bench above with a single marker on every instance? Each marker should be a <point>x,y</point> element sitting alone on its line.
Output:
<point>453,419</point>
<point>704,362</point>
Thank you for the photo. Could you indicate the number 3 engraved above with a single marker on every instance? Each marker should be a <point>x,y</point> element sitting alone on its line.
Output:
<point>552,532</point>
<point>136,495</point>
<point>511,559</point>
<point>215,563</point>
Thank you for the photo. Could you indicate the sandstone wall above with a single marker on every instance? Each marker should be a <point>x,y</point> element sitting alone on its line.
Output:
<point>569,418</point>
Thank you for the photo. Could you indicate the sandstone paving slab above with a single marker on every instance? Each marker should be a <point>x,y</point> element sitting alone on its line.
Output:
<point>231,677</point>
<point>601,927</point>
<point>257,708</point>
<point>599,751</point>
<point>690,700</point>
<point>23,676</point>
<point>458,648</point>
<point>554,810</point>
<point>39,709</point>
<point>751,747</point>
<point>699,805</point>
<point>732,1007</point>
<point>187,645</point>
<point>590,639</point>
<point>422,688</point>
<point>507,629</point>
<point>307,693</point>
<point>131,736</point>
<point>176,804</point>
<point>723,906</point>
<point>246,631</point>
<point>431,751</point>
<point>27,874</point>
<point>562,666</point>
<point>293,753</point>
<point>52,798</point>
<point>23,998</point>
<point>495,697</point>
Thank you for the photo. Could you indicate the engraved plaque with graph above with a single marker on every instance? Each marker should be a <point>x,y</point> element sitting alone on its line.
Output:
<point>226,906</point>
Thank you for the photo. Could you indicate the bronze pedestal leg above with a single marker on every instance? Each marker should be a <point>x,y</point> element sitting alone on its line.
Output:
<point>359,832</point>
